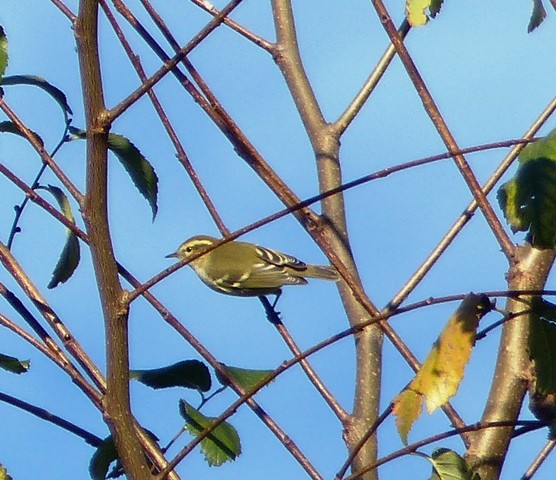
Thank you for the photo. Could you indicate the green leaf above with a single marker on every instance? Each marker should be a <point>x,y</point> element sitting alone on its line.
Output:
<point>435,7</point>
<point>219,446</point>
<point>70,256</point>
<point>3,51</point>
<point>4,473</point>
<point>529,202</point>
<point>188,373</point>
<point>137,166</point>
<point>441,373</point>
<point>8,126</point>
<point>448,465</point>
<point>14,365</point>
<point>542,351</point>
<point>245,378</point>
<point>41,83</point>
<point>537,16</point>
<point>104,455</point>
<point>542,148</point>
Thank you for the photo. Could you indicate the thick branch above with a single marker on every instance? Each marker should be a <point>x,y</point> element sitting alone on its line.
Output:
<point>489,447</point>
<point>95,214</point>
<point>326,146</point>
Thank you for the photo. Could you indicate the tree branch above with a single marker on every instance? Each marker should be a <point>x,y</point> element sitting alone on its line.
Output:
<point>95,214</point>
<point>432,110</point>
<point>468,213</point>
<point>489,447</point>
<point>326,145</point>
<point>345,119</point>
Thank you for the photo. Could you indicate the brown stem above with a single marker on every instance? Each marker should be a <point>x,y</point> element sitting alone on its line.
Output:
<point>311,374</point>
<point>260,42</point>
<point>58,359</point>
<point>47,416</point>
<point>489,447</point>
<point>438,121</point>
<point>169,65</point>
<point>95,214</point>
<point>468,213</point>
<point>39,148</point>
<point>50,316</point>
<point>410,449</point>
<point>326,145</point>
<point>64,9</point>
<point>345,119</point>
<point>540,459</point>
<point>181,153</point>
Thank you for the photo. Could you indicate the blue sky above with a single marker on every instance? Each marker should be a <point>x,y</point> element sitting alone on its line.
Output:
<point>490,79</point>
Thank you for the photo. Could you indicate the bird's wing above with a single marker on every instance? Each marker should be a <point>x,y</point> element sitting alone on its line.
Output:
<point>280,259</point>
<point>273,270</point>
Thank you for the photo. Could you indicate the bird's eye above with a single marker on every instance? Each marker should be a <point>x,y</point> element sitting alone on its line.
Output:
<point>189,249</point>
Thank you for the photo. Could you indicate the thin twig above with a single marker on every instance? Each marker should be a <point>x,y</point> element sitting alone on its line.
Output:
<point>428,441</point>
<point>345,119</point>
<point>359,445</point>
<point>438,121</point>
<point>60,360</point>
<point>181,153</point>
<point>39,148</point>
<point>20,208</point>
<point>542,456</point>
<point>43,414</point>
<point>29,318</point>
<point>468,213</point>
<point>73,347</point>
<point>311,374</point>
<point>208,7</point>
<point>64,9</point>
<point>244,397</point>
<point>168,66</point>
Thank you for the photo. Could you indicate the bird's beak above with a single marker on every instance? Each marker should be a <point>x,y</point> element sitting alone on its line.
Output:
<point>172,255</point>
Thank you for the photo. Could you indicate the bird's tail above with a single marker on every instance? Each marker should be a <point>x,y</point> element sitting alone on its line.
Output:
<point>321,271</point>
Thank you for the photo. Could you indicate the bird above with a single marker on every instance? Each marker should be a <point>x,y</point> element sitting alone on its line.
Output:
<point>247,270</point>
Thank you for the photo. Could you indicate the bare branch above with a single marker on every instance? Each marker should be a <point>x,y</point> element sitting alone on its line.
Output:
<point>344,121</point>
<point>545,452</point>
<point>168,66</point>
<point>39,148</point>
<point>181,153</point>
<point>436,117</point>
<point>510,383</point>
<point>47,416</point>
<point>95,214</point>
<point>208,7</point>
<point>311,374</point>
<point>13,267</point>
<point>58,358</point>
<point>470,210</point>
<point>64,9</point>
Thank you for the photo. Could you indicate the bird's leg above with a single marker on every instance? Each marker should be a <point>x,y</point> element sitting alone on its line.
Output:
<point>271,314</point>
<point>276,300</point>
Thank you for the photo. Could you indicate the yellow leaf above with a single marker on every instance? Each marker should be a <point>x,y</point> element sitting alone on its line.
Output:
<point>407,407</point>
<point>440,375</point>
<point>415,12</point>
